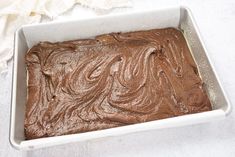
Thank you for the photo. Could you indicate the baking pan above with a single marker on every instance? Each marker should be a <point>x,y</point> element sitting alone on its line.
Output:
<point>178,17</point>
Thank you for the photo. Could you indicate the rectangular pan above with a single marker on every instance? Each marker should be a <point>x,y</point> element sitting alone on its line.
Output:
<point>179,17</point>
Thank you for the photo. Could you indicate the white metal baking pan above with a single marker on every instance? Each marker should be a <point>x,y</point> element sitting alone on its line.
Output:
<point>179,17</point>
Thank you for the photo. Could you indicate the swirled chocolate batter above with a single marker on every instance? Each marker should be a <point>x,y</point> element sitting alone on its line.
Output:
<point>113,80</point>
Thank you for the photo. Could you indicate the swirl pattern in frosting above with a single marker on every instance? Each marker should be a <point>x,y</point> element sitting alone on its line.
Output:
<point>113,80</point>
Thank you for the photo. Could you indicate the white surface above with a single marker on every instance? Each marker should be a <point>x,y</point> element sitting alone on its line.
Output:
<point>216,20</point>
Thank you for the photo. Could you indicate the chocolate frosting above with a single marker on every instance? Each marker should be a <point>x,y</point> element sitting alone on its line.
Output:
<point>113,80</point>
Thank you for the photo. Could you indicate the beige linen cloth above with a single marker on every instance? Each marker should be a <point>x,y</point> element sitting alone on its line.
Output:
<point>14,13</point>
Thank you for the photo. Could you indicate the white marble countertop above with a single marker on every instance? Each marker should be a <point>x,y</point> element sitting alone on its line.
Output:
<point>216,20</point>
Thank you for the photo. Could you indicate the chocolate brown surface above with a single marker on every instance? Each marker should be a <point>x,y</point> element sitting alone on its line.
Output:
<point>113,80</point>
